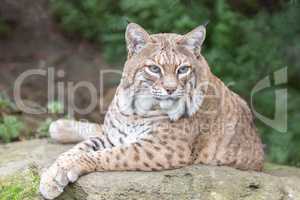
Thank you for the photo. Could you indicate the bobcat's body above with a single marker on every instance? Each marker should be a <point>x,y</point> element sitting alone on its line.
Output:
<point>158,120</point>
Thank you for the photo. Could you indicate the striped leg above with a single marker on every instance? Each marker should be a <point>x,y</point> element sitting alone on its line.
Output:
<point>70,165</point>
<point>146,155</point>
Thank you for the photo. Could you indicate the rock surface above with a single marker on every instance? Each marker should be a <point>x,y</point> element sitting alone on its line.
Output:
<point>196,182</point>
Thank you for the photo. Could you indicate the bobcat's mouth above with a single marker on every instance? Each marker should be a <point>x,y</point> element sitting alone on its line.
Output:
<point>167,102</point>
<point>166,97</point>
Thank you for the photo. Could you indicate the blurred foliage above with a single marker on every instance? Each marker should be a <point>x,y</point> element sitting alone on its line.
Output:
<point>43,129</point>
<point>55,110</point>
<point>21,186</point>
<point>5,103</point>
<point>246,41</point>
<point>5,29</point>
<point>10,128</point>
<point>55,107</point>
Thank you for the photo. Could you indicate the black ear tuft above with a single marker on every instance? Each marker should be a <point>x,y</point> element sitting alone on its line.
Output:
<point>127,21</point>
<point>206,23</point>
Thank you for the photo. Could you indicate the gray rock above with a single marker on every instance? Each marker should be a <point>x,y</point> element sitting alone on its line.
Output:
<point>197,182</point>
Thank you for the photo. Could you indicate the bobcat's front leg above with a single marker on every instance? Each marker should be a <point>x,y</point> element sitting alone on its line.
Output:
<point>68,167</point>
<point>147,155</point>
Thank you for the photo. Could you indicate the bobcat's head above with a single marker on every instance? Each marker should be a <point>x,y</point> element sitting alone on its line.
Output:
<point>163,72</point>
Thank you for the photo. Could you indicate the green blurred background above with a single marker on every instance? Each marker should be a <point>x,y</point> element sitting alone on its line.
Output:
<point>246,41</point>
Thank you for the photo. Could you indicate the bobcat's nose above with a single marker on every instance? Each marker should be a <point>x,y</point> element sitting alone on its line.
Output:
<point>170,84</point>
<point>170,90</point>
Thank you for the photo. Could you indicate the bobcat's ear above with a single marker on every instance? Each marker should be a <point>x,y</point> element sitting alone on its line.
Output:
<point>136,38</point>
<point>194,39</point>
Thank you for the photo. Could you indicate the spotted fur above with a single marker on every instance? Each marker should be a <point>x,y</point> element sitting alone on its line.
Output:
<point>169,111</point>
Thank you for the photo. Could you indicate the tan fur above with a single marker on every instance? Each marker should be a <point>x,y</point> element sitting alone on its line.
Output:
<point>205,123</point>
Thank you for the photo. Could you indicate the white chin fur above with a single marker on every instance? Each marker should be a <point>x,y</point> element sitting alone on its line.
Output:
<point>166,104</point>
<point>177,110</point>
<point>174,109</point>
<point>143,104</point>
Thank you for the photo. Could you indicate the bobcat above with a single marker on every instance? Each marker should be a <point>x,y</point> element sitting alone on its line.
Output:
<point>169,111</point>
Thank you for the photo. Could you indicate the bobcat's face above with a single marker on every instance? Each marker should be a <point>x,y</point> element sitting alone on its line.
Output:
<point>162,71</point>
<point>165,75</point>
<point>168,78</point>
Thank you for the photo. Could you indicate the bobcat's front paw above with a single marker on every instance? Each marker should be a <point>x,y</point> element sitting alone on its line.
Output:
<point>56,178</point>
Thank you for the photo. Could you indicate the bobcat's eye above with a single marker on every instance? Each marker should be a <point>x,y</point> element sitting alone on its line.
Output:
<point>183,69</point>
<point>154,69</point>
